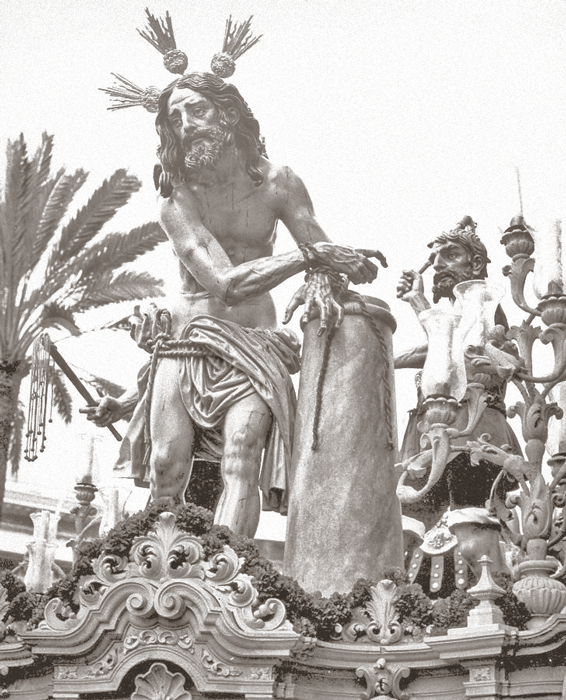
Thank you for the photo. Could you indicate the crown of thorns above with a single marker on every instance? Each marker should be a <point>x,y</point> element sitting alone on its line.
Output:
<point>159,33</point>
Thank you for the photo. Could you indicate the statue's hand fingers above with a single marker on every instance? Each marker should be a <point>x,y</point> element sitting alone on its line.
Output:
<point>325,314</point>
<point>366,252</point>
<point>339,311</point>
<point>297,299</point>
<point>307,312</point>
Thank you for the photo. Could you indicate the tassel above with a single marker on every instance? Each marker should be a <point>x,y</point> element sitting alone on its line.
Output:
<point>237,40</point>
<point>160,35</point>
<point>39,397</point>
<point>129,94</point>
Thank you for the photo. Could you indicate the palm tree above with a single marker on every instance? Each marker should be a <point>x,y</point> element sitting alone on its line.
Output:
<point>53,266</point>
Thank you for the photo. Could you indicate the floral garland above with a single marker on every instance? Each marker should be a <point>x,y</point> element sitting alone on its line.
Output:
<point>311,614</point>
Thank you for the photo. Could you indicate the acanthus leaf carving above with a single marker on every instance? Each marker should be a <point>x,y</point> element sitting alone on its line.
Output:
<point>103,667</point>
<point>267,616</point>
<point>100,669</point>
<point>219,668</point>
<point>224,566</point>
<point>166,551</point>
<point>377,621</point>
<point>160,579</point>
<point>58,616</point>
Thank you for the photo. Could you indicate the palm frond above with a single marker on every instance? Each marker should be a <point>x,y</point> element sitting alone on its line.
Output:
<point>18,197</point>
<point>113,194</point>
<point>3,234</point>
<point>126,286</point>
<point>61,397</point>
<point>117,249</point>
<point>18,423</point>
<point>42,159</point>
<point>27,190</point>
<point>56,316</point>
<point>58,195</point>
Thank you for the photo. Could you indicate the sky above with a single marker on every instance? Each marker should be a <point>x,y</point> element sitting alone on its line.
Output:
<point>401,116</point>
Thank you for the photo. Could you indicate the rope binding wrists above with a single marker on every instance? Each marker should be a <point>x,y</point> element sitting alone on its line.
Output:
<point>310,254</point>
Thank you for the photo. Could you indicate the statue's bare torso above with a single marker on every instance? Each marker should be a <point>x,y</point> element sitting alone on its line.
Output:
<point>242,218</point>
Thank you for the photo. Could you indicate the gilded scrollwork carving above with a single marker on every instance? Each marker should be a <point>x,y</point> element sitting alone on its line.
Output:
<point>168,552</point>
<point>137,638</point>
<point>58,616</point>
<point>267,616</point>
<point>219,668</point>
<point>100,669</point>
<point>481,673</point>
<point>383,681</point>
<point>160,579</point>
<point>261,674</point>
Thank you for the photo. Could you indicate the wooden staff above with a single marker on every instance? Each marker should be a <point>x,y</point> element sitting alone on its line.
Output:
<point>76,382</point>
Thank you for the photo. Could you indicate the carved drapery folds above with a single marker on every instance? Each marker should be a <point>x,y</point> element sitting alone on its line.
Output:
<point>166,602</point>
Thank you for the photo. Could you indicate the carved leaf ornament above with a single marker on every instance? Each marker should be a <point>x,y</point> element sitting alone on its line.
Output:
<point>168,552</point>
<point>157,574</point>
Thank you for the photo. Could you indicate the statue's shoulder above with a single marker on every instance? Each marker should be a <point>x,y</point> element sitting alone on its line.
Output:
<point>280,178</point>
<point>182,200</point>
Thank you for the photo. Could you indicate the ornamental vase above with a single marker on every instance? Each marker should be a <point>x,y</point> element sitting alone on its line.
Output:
<point>518,241</point>
<point>553,309</point>
<point>543,596</point>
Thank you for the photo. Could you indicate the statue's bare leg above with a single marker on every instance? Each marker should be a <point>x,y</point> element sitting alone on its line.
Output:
<point>172,436</point>
<point>245,429</point>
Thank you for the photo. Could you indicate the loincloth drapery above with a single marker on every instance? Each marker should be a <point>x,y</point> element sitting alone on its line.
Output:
<point>236,362</point>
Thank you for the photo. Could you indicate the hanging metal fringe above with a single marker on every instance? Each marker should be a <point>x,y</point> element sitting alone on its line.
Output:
<point>40,397</point>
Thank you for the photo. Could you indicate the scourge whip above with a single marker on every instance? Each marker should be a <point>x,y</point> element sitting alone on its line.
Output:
<point>41,394</point>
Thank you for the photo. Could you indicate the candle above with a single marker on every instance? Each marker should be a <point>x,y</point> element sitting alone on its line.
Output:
<point>444,372</point>
<point>478,300</point>
<point>548,258</point>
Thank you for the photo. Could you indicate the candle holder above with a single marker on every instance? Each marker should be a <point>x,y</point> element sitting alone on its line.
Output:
<point>444,385</point>
<point>87,519</point>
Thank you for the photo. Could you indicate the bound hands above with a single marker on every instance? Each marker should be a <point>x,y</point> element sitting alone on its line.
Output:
<point>355,264</point>
<point>316,294</point>
<point>323,288</point>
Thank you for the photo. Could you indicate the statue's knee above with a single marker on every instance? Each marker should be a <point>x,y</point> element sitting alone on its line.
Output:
<point>243,445</point>
<point>169,466</point>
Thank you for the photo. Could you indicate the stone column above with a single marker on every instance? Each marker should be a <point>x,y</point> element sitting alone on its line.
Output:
<point>344,516</point>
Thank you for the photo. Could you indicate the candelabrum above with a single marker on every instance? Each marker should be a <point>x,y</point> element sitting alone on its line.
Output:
<point>471,340</point>
<point>541,504</point>
<point>444,385</point>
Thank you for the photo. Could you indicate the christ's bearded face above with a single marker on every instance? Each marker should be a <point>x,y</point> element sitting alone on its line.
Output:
<point>452,264</point>
<point>195,121</point>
